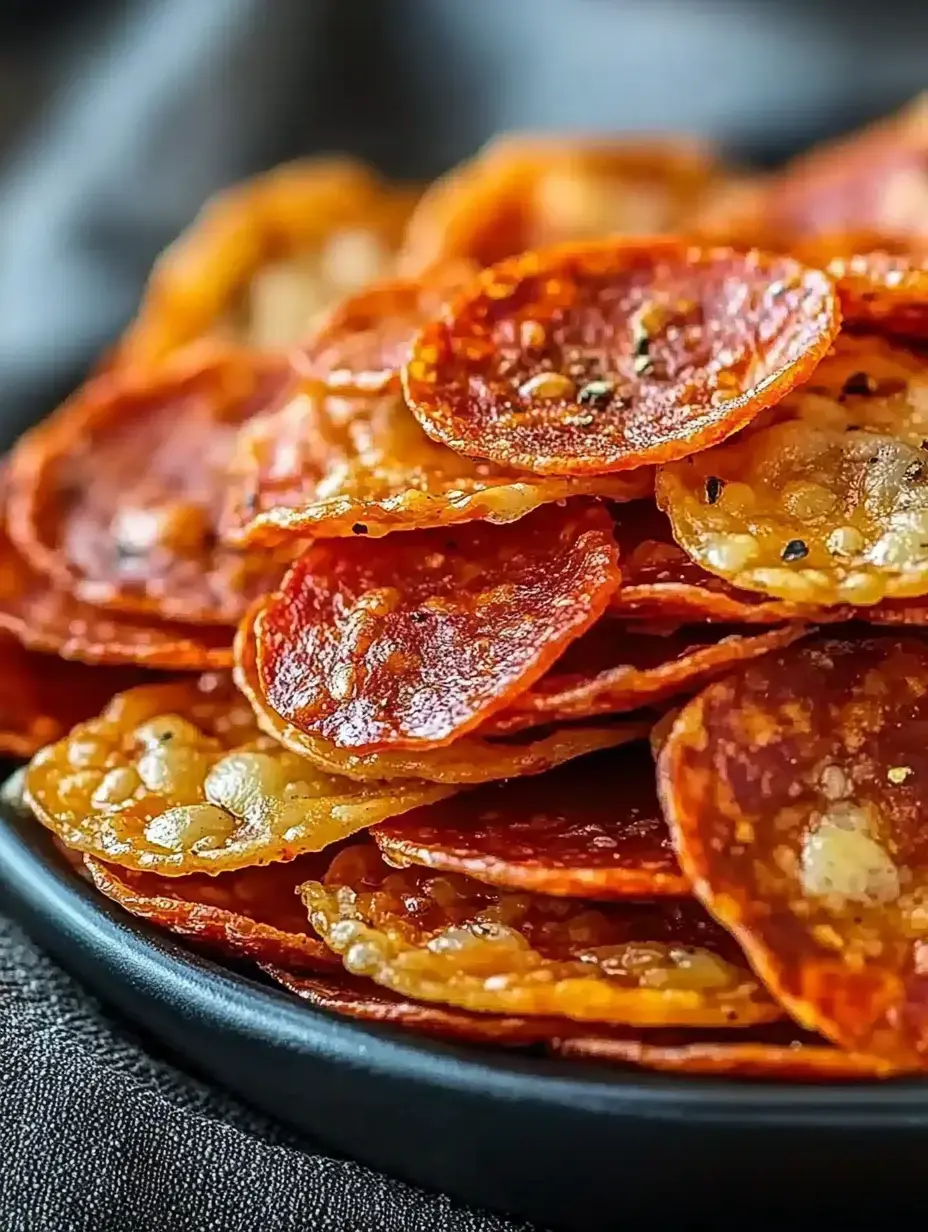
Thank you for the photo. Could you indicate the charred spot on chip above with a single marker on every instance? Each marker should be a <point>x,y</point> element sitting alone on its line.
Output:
<point>914,472</point>
<point>597,394</point>
<point>796,549</point>
<point>359,529</point>
<point>859,384</point>
<point>714,487</point>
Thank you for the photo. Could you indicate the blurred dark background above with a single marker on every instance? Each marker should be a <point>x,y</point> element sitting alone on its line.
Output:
<point>117,118</point>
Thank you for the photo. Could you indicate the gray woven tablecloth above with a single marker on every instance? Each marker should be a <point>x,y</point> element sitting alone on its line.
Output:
<point>97,1135</point>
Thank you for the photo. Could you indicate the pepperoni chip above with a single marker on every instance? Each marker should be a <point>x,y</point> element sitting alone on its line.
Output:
<point>175,779</point>
<point>42,697</point>
<point>43,617</point>
<point>253,913</point>
<point>364,340</point>
<point>592,829</point>
<point>363,1000</point>
<point>448,939</point>
<point>615,668</point>
<point>872,180</point>
<point>330,466</point>
<point>797,792</point>
<point>607,356</point>
<point>411,642</point>
<point>524,192</point>
<point>468,760</point>
<point>116,498</point>
<point>883,291</point>
<point>776,1052</point>
<point>829,503</point>
<point>660,581</point>
<point>265,257</point>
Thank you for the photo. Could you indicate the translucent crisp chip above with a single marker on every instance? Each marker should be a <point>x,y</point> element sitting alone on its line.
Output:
<point>44,617</point>
<point>41,697</point>
<point>176,779</point>
<point>265,257</point>
<point>591,829</point>
<point>872,180</point>
<point>117,496</point>
<point>524,191</point>
<point>607,356</point>
<point>796,791</point>
<point>412,641</point>
<point>324,465</point>
<point>828,504</point>
<point>660,582</point>
<point>455,941</point>
<point>253,913</point>
<point>468,760</point>
<point>616,668</point>
<point>362,1000</point>
<point>777,1052</point>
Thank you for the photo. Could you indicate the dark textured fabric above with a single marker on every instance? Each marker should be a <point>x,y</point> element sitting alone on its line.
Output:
<point>98,1136</point>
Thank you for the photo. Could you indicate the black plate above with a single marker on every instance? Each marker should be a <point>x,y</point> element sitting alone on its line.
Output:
<point>559,1143</point>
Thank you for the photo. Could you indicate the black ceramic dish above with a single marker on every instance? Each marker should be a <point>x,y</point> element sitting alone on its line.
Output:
<point>566,1145</point>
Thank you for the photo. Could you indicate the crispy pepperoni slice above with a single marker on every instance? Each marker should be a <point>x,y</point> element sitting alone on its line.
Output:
<point>780,1053</point>
<point>175,779</point>
<point>116,498</point>
<point>616,668</point>
<point>324,465</point>
<point>612,355</point>
<point>350,997</point>
<point>591,829</point>
<point>253,913</point>
<point>828,504</point>
<point>44,617</point>
<point>361,344</point>
<point>452,940</point>
<point>796,793</point>
<point>659,580</point>
<point>883,291</point>
<point>525,191</point>
<point>41,697</point>
<point>412,642</point>
<point>468,760</point>
<point>263,258</point>
<point>872,180</point>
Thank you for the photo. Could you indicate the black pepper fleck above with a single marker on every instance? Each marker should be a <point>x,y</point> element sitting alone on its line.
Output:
<point>417,617</point>
<point>714,487</point>
<point>794,550</point>
<point>359,529</point>
<point>859,384</point>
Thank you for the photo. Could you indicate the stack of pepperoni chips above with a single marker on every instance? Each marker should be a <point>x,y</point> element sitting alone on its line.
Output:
<point>497,611</point>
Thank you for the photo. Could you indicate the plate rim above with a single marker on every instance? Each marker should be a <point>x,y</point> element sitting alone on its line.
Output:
<point>41,885</point>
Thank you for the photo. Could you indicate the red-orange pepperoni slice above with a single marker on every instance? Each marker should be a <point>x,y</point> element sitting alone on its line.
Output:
<point>611,355</point>
<point>252,913</point>
<point>796,791</point>
<point>412,641</point>
<point>591,829</point>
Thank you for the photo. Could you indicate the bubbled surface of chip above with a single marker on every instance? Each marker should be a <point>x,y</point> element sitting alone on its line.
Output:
<point>828,503</point>
<point>265,257</point>
<point>616,668</point>
<point>591,829</point>
<point>253,913</point>
<point>660,582</point>
<point>524,191</point>
<point>452,940</point>
<point>363,1000</point>
<point>326,465</point>
<point>176,779</point>
<point>43,616</point>
<point>796,794</point>
<point>412,641</point>
<point>776,1052</point>
<point>42,697</point>
<point>607,356</point>
<point>117,497</point>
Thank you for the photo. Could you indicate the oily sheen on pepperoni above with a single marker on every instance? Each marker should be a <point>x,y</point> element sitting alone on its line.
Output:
<point>412,641</point>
